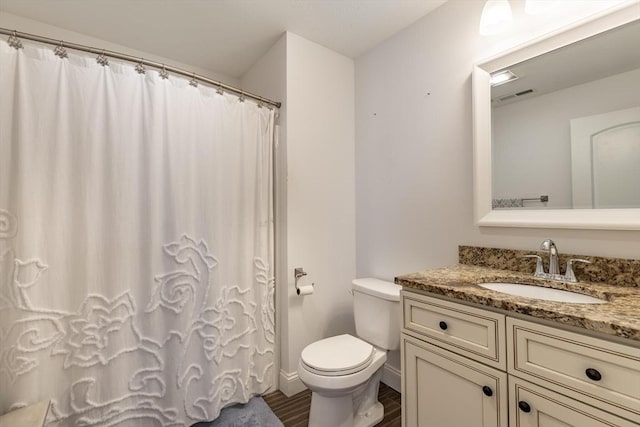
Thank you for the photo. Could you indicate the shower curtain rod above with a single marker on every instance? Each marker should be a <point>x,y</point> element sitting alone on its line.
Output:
<point>138,60</point>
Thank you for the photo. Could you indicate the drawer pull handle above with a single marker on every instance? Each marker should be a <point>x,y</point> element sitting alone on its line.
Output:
<point>443,325</point>
<point>524,406</point>
<point>487,391</point>
<point>593,374</point>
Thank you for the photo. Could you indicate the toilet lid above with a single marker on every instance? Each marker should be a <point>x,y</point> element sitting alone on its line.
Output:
<point>339,355</point>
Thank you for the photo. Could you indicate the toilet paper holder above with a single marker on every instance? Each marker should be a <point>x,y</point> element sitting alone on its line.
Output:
<point>298,273</point>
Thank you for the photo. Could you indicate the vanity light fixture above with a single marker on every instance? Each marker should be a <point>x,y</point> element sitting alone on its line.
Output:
<point>502,77</point>
<point>496,17</point>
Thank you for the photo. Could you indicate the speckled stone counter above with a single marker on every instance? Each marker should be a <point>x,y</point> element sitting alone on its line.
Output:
<point>612,271</point>
<point>619,317</point>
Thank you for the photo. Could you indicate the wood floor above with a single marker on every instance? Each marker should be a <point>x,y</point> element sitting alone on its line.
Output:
<point>294,411</point>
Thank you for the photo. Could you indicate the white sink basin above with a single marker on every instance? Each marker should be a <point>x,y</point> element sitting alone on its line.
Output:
<point>542,293</point>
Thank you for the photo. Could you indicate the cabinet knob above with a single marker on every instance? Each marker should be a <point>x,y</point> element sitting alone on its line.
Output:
<point>487,391</point>
<point>443,325</point>
<point>524,406</point>
<point>593,374</point>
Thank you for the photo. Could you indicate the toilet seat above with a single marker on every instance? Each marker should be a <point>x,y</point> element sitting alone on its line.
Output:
<point>337,356</point>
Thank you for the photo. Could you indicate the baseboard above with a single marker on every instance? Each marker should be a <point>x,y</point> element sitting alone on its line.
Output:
<point>391,377</point>
<point>290,383</point>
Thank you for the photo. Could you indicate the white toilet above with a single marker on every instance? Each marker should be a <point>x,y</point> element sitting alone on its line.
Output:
<point>343,372</point>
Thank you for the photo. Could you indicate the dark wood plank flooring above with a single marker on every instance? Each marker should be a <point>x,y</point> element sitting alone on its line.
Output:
<point>294,411</point>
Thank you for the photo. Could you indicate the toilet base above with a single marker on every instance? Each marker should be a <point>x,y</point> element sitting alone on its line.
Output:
<point>369,411</point>
<point>373,416</point>
<point>331,411</point>
<point>338,412</point>
<point>359,408</point>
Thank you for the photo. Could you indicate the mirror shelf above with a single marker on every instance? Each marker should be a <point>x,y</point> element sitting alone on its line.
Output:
<point>611,219</point>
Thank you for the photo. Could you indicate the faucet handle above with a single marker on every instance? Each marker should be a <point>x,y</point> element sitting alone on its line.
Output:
<point>547,244</point>
<point>539,267</point>
<point>569,275</point>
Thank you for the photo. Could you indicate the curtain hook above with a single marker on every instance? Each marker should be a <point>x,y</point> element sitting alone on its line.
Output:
<point>60,51</point>
<point>140,67</point>
<point>102,60</point>
<point>193,82</point>
<point>164,74</point>
<point>219,91</point>
<point>14,41</point>
<point>241,97</point>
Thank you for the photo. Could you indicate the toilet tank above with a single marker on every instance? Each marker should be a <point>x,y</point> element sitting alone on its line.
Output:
<point>376,308</point>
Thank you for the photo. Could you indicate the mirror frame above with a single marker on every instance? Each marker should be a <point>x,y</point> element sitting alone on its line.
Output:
<point>485,216</point>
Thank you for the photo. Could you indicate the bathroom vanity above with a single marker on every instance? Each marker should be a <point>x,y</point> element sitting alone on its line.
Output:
<point>477,357</point>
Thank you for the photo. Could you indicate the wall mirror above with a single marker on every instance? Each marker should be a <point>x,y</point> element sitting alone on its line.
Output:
<point>557,129</point>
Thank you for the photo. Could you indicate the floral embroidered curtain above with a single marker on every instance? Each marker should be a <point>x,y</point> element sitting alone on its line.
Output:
<point>136,243</point>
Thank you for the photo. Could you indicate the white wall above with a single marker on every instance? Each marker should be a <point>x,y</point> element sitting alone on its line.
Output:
<point>318,113</point>
<point>320,192</point>
<point>531,138</point>
<point>26,25</point>
<point>413,144</point>
<point>414,149</point>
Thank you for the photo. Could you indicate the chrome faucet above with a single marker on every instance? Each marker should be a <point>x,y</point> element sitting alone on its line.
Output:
<point>550,246</point>
<point>554,270</point>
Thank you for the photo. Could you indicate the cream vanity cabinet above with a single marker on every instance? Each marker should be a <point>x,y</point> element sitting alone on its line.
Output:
<point>466,366</point>
<point>446,348</point>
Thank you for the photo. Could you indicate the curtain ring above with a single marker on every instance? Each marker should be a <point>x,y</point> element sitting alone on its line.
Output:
<point>102,60</point>
<point>164,74</point>
<point>14,41</point>
<point>193,82</point>
<point>60,51</point>
<point>140,67</point>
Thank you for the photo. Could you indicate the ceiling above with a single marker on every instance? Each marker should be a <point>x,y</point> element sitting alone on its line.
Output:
<point>606,54</point>
<point>227,36</point>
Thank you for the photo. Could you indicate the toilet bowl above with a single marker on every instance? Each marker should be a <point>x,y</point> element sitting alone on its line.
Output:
<point>338,370</point>
<point>343,372</point>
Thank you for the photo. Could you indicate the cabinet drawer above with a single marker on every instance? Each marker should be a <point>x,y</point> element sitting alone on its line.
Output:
<point>601,373</point>
<point>477,334</point>
<point>533,406</point>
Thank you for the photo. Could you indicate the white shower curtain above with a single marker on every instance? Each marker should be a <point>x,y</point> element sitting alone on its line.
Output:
<point>136,243</point>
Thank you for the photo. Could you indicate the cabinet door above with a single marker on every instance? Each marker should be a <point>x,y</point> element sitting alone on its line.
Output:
<point>534,406</point>
<point>440,388</point>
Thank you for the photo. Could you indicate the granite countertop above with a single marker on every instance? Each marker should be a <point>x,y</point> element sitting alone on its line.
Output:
<point>619,317</point>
